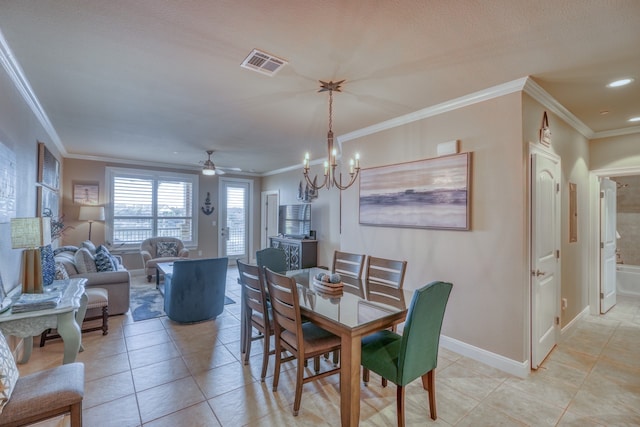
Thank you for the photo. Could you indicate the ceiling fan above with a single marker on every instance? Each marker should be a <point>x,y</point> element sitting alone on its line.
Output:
<point>209,168</point>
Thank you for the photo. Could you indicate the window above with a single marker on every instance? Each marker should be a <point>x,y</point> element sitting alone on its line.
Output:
<point>145,203</point>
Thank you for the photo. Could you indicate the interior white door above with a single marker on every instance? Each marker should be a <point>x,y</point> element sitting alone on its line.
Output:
<point>545,255</point>
<point>269,215</point>
<point>234,217</point>
<point>607,244</point>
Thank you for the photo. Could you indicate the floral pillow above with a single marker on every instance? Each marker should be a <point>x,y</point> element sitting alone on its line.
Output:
<point>61,272</point>
<point>8,372</point>
<point>166,249</point>
<point>104,261</point>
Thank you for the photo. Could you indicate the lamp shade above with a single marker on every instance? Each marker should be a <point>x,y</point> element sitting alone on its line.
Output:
<point>30,232</point>
<point>91,213</point>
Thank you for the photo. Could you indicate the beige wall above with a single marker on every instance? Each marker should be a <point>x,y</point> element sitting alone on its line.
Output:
<point>615,152</point>
<point>20,132</point>
<point>94,171</point>
<point>487,263</point>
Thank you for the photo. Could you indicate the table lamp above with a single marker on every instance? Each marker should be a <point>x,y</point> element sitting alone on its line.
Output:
<point>29,234</point>
<point>91,213</point>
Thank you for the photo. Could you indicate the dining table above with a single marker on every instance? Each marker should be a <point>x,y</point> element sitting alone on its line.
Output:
<point>351,312</point>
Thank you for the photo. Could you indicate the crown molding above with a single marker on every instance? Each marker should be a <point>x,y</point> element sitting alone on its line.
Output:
<point>616,132</point>
<point>536,91</point>
<point>451,105</point>
<point>13,69</point>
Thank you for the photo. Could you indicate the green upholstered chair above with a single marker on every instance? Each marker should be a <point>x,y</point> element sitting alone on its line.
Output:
<point>403,358</point>
<point>272,258</point>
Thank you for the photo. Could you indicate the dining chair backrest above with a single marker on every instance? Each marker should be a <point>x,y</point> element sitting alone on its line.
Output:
<point>274,259</point>
<point>254,289</point>
<point>421,335</point>
<point>347,264</point>
<point>285,306</point>
<point>386,272</point>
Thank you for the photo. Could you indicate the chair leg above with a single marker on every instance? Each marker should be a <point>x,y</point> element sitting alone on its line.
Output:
<point>276,368</point>
<point>247,340</point>
<point>299,382</point>
<point>149,278</point>
<point>105,320</point>
<point>429,384</point>
<point>265,357</point>
<point>365,376</point>
<point>76,415</point>
<point>336,357</point>
<point>316,364</point>
<point>400,405</point>
<point>384,382</point>
<point>43,337</point>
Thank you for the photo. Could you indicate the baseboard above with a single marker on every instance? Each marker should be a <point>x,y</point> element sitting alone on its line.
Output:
<point>569,327</point>
<point>513,367</point>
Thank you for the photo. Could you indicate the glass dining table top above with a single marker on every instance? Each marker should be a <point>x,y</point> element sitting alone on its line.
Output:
<point>353,306</point>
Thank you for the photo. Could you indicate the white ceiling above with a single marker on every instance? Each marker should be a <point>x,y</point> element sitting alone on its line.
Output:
<point>160,80</point>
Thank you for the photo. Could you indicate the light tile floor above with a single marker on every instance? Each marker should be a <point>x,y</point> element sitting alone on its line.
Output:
<point>157,373</point>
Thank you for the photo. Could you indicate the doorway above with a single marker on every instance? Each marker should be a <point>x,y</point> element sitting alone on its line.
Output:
<point>545,253</point>
<point>269,201</point>
<point>234,217</point>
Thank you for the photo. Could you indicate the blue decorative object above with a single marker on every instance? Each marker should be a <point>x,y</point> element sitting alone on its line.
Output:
<point>48,265</point>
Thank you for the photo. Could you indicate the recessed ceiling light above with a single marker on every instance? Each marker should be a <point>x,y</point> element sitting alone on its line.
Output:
<point>604,112</point>
<point>621,82</point>
<point>635,119</point>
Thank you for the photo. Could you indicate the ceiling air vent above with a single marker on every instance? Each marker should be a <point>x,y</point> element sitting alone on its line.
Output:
<point>263,62</point>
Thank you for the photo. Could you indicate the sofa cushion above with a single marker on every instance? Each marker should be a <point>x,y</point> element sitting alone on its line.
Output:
<point>89,245</point>
<point>8,372</point>
<point>166,249</point>
<point>67,248</point>
<point>85,263</point>
<point>68,260</point>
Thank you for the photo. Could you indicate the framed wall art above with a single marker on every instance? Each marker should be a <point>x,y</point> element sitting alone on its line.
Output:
<point>431,193</point>
<point>48,200</point>
<point>86,193</point>
<point>48,168</point>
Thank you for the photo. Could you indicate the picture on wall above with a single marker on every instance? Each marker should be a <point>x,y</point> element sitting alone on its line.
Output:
<point>431,193</point>
<point>48,168</point>
<point>85,194</point>
<point>48,201</point>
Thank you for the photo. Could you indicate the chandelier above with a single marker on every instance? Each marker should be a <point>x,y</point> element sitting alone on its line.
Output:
<point>331,164</point>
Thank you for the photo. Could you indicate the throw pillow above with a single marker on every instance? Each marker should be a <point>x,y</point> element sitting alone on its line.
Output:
<point>166,249</point>
<point>103,260</point>
<point>85,263</point>
<point>61,272</point>
<point>8,372</point>
<point>48,265</point>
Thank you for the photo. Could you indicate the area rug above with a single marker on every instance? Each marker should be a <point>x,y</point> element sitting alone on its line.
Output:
<point>147,302</point>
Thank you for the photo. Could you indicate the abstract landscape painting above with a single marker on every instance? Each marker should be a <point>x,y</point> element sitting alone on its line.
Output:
<point>431,193</point>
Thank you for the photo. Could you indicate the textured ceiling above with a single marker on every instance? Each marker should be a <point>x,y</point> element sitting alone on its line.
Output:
<point>160,80</point>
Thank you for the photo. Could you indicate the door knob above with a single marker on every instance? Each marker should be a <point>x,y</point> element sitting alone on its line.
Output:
<point>538,273</point>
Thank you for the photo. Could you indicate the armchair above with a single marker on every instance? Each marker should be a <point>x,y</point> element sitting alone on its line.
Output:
<point>194,292</point>
<point>161,249</point>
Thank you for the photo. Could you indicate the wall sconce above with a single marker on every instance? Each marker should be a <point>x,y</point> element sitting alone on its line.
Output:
<point>91,213</point>
<point>29,234</point>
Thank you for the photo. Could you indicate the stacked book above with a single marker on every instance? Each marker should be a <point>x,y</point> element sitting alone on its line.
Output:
<point>33,302</point>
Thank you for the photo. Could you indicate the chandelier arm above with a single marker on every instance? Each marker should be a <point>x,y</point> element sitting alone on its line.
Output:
<point>338,184</point>
<point>312,185</point>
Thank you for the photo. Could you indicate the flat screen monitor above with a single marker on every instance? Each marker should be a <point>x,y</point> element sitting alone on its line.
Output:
<point>295,220</point>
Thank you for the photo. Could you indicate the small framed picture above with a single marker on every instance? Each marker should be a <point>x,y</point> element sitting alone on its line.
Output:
<point>86,193</point>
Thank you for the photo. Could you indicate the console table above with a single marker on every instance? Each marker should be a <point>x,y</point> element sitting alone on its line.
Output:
<point>72,306</point>
<point>300,253</point>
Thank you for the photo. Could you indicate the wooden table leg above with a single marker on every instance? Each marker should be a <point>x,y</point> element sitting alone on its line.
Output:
<point>350,381</point>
